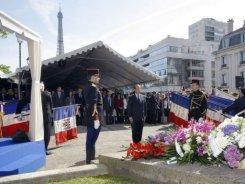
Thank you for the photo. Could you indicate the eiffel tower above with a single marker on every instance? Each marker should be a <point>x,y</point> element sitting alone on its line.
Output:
<point>60,42</point>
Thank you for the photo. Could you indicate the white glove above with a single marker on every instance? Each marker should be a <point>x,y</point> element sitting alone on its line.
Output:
<point>96,124</point>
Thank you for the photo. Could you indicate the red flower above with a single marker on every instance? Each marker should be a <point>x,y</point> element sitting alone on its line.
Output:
<point>136,155</point>
<point>146,150</point>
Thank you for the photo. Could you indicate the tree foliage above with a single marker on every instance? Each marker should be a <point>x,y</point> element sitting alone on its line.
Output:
<point>3,34</point>
<point>5,69</point>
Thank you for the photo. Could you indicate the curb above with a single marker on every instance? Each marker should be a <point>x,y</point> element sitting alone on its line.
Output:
<point>156,171</point>
<point>56,174</point>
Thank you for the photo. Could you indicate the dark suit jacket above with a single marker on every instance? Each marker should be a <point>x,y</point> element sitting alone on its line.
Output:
<point>106,103</point>
<point>152,104</point>
<point>80,99</point>
<point>58,102</point>
<point>47,107</point>
<point>136,107</point>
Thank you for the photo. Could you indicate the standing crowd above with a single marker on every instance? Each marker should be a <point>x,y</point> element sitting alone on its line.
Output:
<point>115,105</point>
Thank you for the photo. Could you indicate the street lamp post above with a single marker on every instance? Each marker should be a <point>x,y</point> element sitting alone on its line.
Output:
<point>19,40</point>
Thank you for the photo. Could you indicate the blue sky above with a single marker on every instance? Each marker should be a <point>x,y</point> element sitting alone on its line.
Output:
<point>125,25</point>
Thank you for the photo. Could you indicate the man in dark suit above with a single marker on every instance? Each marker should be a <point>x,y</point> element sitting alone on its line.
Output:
<point>136,112</point>
<point>79,99</point>
<point>59,98</point>
<point>108,107</point>
<point>153,108</point>
<point>47,116</point>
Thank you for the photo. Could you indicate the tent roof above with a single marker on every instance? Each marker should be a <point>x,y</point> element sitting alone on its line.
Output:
<point>11,25</point>
<point>116,70</point>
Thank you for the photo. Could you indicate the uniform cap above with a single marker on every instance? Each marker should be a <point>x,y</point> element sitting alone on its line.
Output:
<point>92,71</point>
<point>194,81</point>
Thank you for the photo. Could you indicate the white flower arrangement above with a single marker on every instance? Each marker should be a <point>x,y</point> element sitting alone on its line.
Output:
<point>227,138</point>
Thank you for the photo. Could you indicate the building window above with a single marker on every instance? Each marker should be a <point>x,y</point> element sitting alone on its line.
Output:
<point>213,74</point>
<point>242,57</point>
<point>209,33</point>
<point>213,64</point>
<point>223,62</point>
<point>243,75</point>
<point>235,40</point>
<point>173,49</point>
<point>225,43</point>
<point>171,79</point>
<point>197,63</point>
<point>224,81</point>
<point>209,29</point>
<point>197,73</point>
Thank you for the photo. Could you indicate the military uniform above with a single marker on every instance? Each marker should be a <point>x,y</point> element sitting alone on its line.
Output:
<point>93,100</point>
<point>198,105</point>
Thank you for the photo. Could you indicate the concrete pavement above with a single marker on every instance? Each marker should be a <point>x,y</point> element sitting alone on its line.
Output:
<point>111,139</point>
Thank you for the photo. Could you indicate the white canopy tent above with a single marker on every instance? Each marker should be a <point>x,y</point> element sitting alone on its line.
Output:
<point>34,42</point>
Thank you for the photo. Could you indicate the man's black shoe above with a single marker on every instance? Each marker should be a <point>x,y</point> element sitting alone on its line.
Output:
<point>49,153</point>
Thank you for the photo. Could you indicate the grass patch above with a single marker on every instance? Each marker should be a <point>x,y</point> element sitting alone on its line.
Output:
<point>105,179</point>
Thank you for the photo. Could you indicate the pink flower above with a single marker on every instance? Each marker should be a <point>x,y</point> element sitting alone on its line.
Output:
<point>204,127</point>
<point>233,156</point>
<point>200,151</point>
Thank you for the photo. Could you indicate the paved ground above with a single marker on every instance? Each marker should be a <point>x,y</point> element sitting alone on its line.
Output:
<point>111,139</point>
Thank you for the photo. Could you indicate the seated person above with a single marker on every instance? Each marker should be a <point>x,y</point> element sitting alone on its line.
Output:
<point>22,103</point>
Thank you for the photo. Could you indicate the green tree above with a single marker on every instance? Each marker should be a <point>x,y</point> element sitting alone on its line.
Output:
<point>3,34</point>
<point>5,69</point>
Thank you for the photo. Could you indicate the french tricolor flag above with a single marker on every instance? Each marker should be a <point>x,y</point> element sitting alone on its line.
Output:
<point>12,122</point>
<point>215,104</point>
<point>180,108</point>
<point>65,123</point>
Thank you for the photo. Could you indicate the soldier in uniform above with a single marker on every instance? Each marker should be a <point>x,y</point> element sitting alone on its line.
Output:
<point>93,112</point>
<point>198,102</point>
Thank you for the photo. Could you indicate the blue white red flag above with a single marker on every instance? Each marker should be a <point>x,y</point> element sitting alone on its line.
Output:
<point>65,123</point>
<point>12,122</point>
<point>180,109</point>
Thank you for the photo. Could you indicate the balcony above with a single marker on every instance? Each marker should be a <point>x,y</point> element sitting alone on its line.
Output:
<point>242,62</point>
<point>195,67</point>
<point>224,66</point>
<point>224,85</point>
<point>195,78</point>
